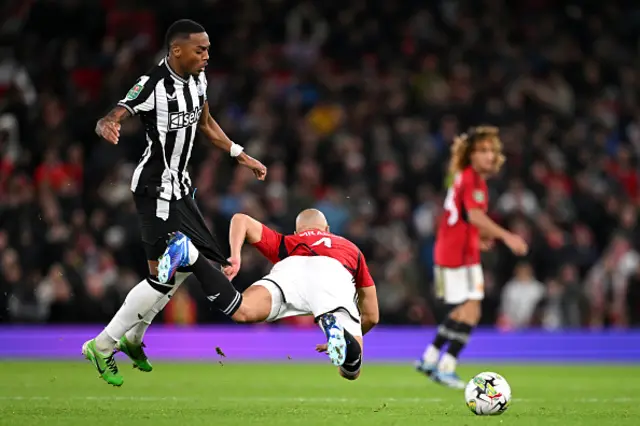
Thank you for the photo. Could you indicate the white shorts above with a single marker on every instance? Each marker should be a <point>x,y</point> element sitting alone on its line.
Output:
<point>301,285</point>
<point>457,285</point>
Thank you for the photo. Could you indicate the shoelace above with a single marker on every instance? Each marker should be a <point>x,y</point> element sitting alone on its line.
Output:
<point>111,364</point>
<point>139,351</point>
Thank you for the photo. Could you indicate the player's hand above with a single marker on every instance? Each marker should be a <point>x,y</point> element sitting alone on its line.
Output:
<point>109,130</point>
<point>232,270</point>
<point>258,169</point>
<point>322,348</point>
<point>516,244</point>
<point>486,244</point>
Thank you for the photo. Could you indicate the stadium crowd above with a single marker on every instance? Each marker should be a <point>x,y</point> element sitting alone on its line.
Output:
<point>353,107</point>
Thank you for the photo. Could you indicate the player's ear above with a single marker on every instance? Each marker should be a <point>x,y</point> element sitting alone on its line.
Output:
<point>328,229</point>
<point>175,50</point>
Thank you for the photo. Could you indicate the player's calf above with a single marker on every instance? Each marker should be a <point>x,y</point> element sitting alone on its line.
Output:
<point>429,361</point>
<point>350,370</point>
<point>469,315</point>
<point>181,253</point>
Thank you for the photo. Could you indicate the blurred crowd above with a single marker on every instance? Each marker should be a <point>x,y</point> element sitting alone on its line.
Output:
<point>353,106</point>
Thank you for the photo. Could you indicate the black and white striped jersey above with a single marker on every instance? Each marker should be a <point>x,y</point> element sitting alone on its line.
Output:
<point>169,107</point>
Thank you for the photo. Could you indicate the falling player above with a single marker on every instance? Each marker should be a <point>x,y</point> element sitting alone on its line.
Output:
<point>464,231</point>
<point>314,273</point>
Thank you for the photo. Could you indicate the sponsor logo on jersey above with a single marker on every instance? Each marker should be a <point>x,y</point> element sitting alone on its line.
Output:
<point>180,120</point>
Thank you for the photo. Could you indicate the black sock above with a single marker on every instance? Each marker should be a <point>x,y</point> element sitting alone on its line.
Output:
<point>353,360</point>
<point>444,333</point>
<point>216,286</point>
<point>459,339</point>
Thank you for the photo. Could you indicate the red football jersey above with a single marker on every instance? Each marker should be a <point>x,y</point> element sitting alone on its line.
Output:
<point>457,241</point>
<point>276,247</point>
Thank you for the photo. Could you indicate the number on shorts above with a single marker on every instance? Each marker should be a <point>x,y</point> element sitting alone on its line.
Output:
<point>450,206</point>
<point>325,240</point>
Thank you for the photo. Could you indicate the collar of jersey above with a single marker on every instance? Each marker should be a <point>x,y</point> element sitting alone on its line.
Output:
<point>172,72</point>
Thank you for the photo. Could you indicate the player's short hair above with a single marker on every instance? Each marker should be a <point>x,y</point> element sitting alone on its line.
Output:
<point>182,29</point>
<point>463,146</point>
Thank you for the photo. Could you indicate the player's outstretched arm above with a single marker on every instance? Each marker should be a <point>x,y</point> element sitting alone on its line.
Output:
<point>242,228</point>
<point>368,304</point>
<point>108,127</point>
<point>490,229</point>
<point>212,130</point>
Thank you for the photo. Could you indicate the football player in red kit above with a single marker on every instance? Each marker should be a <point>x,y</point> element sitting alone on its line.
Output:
<point>315,273</point>
<point>465,230</point>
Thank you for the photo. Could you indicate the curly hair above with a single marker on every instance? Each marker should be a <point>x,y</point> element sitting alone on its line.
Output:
<point>464,144</point>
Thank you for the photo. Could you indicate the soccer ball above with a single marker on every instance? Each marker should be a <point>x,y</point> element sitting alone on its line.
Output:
<point>488,394</point>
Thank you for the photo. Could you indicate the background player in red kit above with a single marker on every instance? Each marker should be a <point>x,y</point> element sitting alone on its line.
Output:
<point>315,273</point>
<point>465,230</point>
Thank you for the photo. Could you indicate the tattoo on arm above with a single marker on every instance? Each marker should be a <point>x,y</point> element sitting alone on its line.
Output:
<point>117,115</point>
<point>111,120</point>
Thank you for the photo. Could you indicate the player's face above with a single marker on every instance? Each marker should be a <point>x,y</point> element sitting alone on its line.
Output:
<point>195,53</point>
<point>483,157</point>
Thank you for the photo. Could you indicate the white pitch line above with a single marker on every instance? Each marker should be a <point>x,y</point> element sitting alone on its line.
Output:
<point>330,399</point>
<point>294,399</point>
<point>94,398</point>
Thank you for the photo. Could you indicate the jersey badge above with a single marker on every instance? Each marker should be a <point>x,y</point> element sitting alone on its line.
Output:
<point>135,91</point>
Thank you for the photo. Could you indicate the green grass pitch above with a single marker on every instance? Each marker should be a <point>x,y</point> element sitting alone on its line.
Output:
<point>69,394</point>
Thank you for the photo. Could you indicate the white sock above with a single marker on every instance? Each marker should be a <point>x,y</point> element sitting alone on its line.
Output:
<point>447,363</point>
<point>136,334</point>
<point>193,253</point>
<point>431,355</point>
<point>139,301</point>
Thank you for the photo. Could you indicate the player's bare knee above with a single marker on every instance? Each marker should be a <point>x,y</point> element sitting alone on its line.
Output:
<point>246,314</point>
<point>469,312</point>
<point>242,315</point>
<point>475,311</point>
<point>457,314</point>
<point>255,307</point>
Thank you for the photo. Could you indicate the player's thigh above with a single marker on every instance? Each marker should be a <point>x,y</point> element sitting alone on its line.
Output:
<point>157,219</point>
<point>282,284</point>
<point>458,285</point>
<point>476,283</point>
<point>282,301</point>
<point>193,225</point>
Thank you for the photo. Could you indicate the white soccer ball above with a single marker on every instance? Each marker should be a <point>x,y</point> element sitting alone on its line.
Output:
<point>488,394</point>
